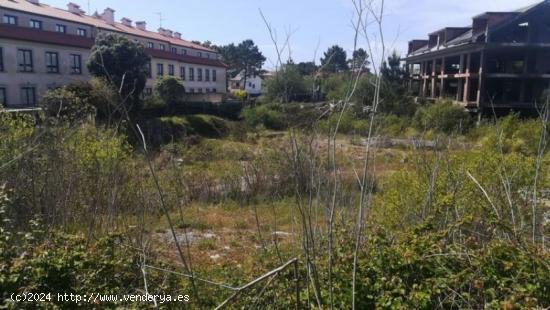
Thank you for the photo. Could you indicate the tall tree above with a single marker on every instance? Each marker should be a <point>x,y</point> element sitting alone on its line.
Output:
<point>123,64</point>
<point>335,60</point>
<point>391,69</point>
<point>359,60</point>
<point>243,57</point>
<point>306,68</point>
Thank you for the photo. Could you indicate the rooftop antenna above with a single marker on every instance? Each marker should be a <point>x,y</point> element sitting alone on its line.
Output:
<point>160,18</point>
<point>89,12</point>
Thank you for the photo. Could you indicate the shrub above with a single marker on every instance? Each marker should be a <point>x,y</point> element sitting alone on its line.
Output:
<point>443,117</point>
<point>98,94</point>
<point>170,90</point>
<point>240,95</point>
<point>268,115</point>
<point>163,130</point>
<point>63,104</point>
<point>153,103</point>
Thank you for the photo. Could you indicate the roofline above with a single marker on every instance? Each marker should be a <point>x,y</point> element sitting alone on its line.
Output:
<point>448,28</point>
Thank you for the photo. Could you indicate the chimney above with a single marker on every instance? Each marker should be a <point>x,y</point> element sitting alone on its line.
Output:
<point>177,35</point>
<point>34,1</point>
<point>162,31</point>
<point>74,8</point>
<point>126,22</point>
<point>169,33</point>
<point>141,25</point>
<point>108,16</point>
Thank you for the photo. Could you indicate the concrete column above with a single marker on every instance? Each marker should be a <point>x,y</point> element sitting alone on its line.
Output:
<point>442,79</point>
<point>433,79</point>
<point>461,70</point>
<point>466,95</point>
<point>481,86</point>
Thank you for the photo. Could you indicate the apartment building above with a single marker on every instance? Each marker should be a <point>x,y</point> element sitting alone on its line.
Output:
<point>500,61</point>
<point>42,47</point>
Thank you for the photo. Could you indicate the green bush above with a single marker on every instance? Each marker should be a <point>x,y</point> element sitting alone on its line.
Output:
<point>167,129</point>
<point>443,117</point>
<point>268,115</point>
<point>62,104</point>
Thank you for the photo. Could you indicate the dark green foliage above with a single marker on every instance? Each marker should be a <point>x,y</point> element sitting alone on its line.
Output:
<point>171,91</point>
<point>95,93</point>
<point>286,85</point>
<point>306,68</point>
<point>443,117</point>
<point>391,70</point>
<point>64,105</point>
<point>359,60</point>
<point>245,56</point>
<point>267,115</point>
<point>123,64</point>
<point>335,60</point>
<point>168,129</point>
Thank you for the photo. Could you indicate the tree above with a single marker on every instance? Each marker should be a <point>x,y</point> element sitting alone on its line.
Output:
<point>335,60</point>
<point>243,57</point>
<point>286,85</point>
<point>171,91</point>
<point>391,70</point>
<point>359,60</point>
<point>306,68</point>
<point>123,64</point>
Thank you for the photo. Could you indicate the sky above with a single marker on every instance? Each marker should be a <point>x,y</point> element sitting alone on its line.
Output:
<point>313,25</point>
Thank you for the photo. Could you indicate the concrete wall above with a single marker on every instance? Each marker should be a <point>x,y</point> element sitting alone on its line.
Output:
<point>219,85</point>
<point>13,80</point>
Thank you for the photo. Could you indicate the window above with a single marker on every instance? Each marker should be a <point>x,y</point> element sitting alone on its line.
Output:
<point>36,24</point>
<point>3,97</point>
<point>149,73</point>
<point>52,62</point>
<point>191,90</point>
<point>199,90</point>
<point>24,60</point>
<point>150,45</point>
<point>171,70</point>
<point>191,74</point>
<point>208,90</point>
<point>1,59</point>
<point>10,20</point>
<point>162,47</point>
<point>199,54</point>
<point>160,69</point>
<point>76,64</point>
<point>214,75</point>
<point>207,75</point>
<point>81,32</point>
<point>199,75</point>
<point>174,50</point>
<point>61,28</point>
<point>184,52</point>
<point>182,73</point>
<point>28,96</point>
<point>214,90</point>
<point>207,55</point>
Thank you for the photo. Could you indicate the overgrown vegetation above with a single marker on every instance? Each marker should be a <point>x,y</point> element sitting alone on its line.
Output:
<point>364,200</point>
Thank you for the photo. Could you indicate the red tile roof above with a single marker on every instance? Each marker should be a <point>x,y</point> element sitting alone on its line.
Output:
<point>48,11</point>
<point>50,37</point>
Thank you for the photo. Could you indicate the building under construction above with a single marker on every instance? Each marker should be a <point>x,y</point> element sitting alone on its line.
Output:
<point>501,61</point>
